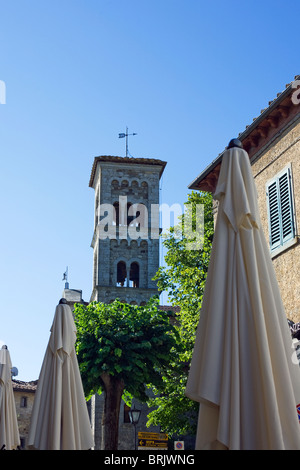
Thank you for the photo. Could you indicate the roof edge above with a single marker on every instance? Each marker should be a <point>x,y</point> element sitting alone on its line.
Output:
<point>194,185</point>
<point>126,160</point>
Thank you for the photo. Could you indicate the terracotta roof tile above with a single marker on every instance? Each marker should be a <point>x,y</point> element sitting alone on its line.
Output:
<point>19,386</point>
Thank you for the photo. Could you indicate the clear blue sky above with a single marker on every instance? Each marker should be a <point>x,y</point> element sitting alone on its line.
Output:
<point>185,75</point>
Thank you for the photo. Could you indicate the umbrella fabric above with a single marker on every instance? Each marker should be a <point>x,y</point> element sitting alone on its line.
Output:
<point>60,418</point>
<point>243,370</point>
<point>9,431</point>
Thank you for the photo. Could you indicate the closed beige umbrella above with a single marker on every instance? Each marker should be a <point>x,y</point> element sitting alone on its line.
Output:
<point>60,418</point>
<point>242,371</point>
<point>9,431</point>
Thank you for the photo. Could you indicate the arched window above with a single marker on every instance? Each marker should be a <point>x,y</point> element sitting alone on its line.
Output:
<point>116,214</point>
<point>129,217</point>
<point>134,275</point>
<point>144,186</point>
<point>121,216</point>
<point>121,274</point>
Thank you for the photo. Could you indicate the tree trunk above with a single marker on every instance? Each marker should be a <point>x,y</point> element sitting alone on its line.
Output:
<point>114,387</point>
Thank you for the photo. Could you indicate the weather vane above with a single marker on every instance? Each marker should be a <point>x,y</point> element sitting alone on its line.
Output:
<point>65,278</point>
<point>122,135</point>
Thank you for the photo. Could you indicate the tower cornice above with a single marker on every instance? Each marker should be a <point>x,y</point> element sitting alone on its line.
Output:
<point>125,160</point>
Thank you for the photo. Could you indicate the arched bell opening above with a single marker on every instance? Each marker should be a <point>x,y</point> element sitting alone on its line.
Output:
<point>121,274</point>
<point>134,275</point>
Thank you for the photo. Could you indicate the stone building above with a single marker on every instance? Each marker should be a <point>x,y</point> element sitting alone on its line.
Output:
<point>73,296</point>
<point>126,253</point>
<point>24,393</point>
<point>272,141</point>
<point>126,228</point>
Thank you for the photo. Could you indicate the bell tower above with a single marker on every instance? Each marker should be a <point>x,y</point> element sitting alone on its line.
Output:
<point>126,228</point>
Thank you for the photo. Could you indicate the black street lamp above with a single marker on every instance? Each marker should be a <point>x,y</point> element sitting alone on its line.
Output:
<point>134,416</point>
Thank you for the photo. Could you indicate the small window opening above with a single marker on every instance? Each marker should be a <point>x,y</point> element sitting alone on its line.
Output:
<point>121,274</point>
<point>116,219</point>
<point>126,413</point>
<point>134,275</point>
<point>23,403</point>
<point>130,218</point>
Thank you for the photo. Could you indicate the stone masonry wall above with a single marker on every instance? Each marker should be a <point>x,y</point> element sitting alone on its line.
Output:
<point>126,429</point>
<point>139,184</point>
<point>24,394</point>
<point>282,151</point>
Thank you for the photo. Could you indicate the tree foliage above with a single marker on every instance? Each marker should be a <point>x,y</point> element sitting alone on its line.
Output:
<point>122,349</point>
<point>131,348</point>
<point>183,278</point>
<point>133,343</point>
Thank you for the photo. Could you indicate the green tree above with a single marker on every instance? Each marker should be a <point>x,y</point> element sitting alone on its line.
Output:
<point>183,278</point>
<point>121,349</point>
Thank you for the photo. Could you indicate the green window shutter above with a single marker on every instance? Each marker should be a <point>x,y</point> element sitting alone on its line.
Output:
<point>287,219</point>
<point>274,215</point>
<point>280,209</point>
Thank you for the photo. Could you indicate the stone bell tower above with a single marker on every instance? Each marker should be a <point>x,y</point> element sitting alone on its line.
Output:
<point>126,228</point>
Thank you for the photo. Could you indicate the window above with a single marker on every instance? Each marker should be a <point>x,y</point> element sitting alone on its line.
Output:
<point>280,209</point>
<point>134,276</point>
<point>23,402</point>
<point>121,274</point>
<point>120,216</point>
<point>116,214</point>
<point>130,218</point>
<point>126,413</point>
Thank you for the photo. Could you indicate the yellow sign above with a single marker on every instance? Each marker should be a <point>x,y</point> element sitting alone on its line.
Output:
<point>153,440</point>
<point>153,435</point>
